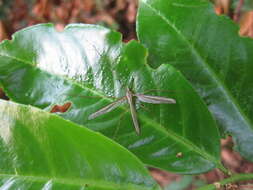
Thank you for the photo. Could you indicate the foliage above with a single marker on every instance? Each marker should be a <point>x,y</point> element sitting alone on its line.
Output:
<point>88,66</point>
<point>87,70</point>
<point>42,151</point>
<point>182,184</point>
<point>206,48</point>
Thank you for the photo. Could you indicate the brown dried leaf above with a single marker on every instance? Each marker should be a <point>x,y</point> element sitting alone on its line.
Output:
<point>3,32</point>
<point>2,95</point>
<point>131,12</point>
<point>42,9</point>
<point>222,7</point>
<point>61,109</point>
<point>246,24</point>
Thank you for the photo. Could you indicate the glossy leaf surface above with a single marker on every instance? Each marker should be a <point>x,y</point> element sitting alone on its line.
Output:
<point>206,48</point>
<point>40,150</point>
<point>84,65</point>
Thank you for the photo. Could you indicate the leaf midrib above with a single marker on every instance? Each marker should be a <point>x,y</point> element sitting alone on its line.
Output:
<point>74,181</point>
<point>156,125</point>
<point>28,63</point>
<point>216,79</point>
<point>188,144</point>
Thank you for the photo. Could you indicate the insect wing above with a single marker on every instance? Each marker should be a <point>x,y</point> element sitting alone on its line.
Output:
<point>107,108</point>
<point>155,99</point>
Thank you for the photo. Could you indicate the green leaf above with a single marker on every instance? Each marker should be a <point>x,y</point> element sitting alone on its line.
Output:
<point>84,65</point>
<point>206,48</point>
<point>43,151</point>
<point>182,184</point>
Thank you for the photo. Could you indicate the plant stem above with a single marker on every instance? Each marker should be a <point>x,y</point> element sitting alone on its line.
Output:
<point>235,178</point>
<point>223,169</point>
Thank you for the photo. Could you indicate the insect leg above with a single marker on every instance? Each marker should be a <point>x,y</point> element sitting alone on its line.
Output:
<point>118,125</point>
<point>107,108</point>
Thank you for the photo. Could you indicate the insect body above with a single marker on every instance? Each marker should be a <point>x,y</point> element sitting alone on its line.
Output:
<point>129,99</point>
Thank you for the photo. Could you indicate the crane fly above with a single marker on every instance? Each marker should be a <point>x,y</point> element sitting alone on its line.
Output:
<point>129,99</point>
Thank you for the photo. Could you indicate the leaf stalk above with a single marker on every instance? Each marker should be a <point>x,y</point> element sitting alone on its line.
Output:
<point>232,179</point>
